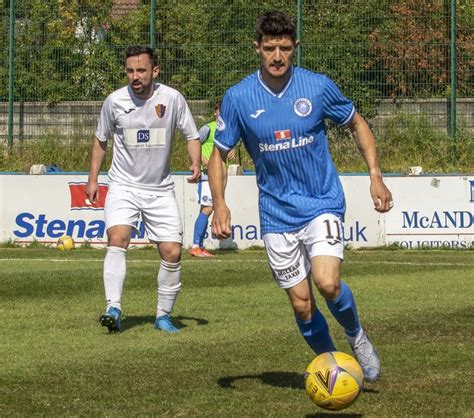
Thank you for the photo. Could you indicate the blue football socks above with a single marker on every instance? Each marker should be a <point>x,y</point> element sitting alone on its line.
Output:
<point>345,311</point>
<point>200,227</point>
<point>316,333</point>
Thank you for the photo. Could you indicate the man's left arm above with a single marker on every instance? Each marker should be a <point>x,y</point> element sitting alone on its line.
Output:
<point>366,143</point>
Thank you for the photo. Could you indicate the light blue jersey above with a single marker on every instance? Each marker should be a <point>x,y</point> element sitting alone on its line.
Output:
<point>286,137</point>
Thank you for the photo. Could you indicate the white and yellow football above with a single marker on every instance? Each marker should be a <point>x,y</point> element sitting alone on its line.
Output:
<point>334,380</point>
<point>65,243</point>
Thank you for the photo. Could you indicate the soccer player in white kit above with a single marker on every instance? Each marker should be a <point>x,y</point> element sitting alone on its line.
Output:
<point>142,118</point>
<point>280,112</point>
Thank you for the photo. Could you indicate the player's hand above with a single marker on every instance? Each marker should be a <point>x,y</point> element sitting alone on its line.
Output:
<point>92,191</point>
<point>195,174</point>
<point>381,196</point>
<point>220,225</point>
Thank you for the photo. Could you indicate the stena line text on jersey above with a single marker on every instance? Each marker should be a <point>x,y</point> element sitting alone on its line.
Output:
<point>281,146</point>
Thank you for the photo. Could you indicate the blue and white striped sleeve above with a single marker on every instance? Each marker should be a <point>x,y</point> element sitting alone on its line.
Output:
<point>336,106</point>
<point>228,128</point>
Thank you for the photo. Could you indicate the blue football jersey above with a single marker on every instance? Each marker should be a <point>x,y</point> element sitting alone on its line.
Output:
<point>285,135</point>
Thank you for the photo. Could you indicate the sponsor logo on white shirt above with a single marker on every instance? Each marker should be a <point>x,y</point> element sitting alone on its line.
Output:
<point>144,138</point>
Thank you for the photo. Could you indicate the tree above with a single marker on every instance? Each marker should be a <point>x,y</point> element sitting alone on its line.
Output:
<point>410,50</point>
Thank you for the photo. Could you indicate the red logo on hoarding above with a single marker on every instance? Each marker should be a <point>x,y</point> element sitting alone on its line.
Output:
<point>280,135</point>
<point>79,200</point>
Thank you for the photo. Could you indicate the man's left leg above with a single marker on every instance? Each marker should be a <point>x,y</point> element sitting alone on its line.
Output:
<point>163,226</point>
<point>200,226</point>
<point>340,302</point>
<point>169,284</point>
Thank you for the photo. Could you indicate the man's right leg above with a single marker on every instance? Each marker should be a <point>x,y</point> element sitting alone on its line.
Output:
<point>311,323</point>
<point>114,275</point>
<point>291,269</point>
<point>200,228</point>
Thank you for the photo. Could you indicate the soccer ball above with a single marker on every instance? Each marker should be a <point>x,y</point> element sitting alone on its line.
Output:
<point>65,243</point>
<point>333,380</point>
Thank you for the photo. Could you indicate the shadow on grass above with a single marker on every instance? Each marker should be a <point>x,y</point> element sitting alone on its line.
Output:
<point>179,321</point>
<point>285,380</point>
<point>278,379</point>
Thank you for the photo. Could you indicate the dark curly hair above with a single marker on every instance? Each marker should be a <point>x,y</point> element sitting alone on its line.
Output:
<point>275,23</point>
<point>134,50</point>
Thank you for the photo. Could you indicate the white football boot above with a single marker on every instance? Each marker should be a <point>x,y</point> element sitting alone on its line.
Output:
<point>366,355</point>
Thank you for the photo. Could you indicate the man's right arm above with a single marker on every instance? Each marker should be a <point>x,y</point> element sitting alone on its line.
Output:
<point>98,154</point>
<point>217,179</point>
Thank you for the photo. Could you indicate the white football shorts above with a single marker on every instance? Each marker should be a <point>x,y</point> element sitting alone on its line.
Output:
<point>289,254</point>
<point>204,193</point>
<point>160,214</point>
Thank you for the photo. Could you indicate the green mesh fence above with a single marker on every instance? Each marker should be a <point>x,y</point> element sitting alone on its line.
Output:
<point>393,58</point>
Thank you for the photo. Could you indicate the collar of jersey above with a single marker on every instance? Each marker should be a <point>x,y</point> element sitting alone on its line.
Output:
<point>279,95</point>
<point>136,99</point>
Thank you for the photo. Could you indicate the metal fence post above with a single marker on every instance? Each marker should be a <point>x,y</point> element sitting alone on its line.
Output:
<point>298,32</point>
<point>453,73</point>
<point>11,52</point>
<point>153,24</point>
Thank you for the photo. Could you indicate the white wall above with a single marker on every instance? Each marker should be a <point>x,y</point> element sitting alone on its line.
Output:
<point>434,211</point>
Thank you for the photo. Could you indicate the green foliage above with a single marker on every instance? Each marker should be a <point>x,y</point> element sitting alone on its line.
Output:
<point>37,245</point>
<point>86,245</point>
<point>72,50</point>
<point>9,244</point>
<point>410,50</point>
<point>58,52</point>
<point>411,140</point>
<point>69,50</point>
<point>407,140</point>
<point>337,44</point>
<point>49,149</point>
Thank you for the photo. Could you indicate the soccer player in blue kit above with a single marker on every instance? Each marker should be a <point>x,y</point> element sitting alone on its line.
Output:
<point>279,112</point>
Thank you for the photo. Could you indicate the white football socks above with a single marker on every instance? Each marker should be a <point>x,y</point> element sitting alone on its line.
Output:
<point>114,275</point>
<point>169,283</point>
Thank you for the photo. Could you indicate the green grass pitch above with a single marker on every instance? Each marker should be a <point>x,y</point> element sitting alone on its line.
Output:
<point>239,352</point>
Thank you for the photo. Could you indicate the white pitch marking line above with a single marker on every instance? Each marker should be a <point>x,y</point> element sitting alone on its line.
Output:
<point>88,260</point>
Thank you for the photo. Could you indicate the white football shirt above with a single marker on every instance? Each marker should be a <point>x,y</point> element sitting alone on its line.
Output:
<point>143,133</point>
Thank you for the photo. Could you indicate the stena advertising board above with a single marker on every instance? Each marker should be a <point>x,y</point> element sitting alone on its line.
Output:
<point>429,211</point>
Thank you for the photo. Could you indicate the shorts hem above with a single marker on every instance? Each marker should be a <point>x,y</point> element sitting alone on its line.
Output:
<point>292,284</point>
<point>156,241</point>
<point>108,226</point>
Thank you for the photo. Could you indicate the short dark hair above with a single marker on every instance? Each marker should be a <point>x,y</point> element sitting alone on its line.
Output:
<point>134,50</point>
<point>275,23</point>
<point>217,105</point>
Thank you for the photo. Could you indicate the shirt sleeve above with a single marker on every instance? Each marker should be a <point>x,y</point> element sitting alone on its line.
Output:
<point>185,122</point>
<point>336,106</point>
<point>105,127</point>
<point>228,127</point>
<point>204,133</point>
